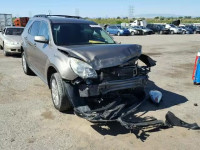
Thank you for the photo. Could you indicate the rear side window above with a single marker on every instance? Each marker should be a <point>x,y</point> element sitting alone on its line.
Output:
<point>34,29</point>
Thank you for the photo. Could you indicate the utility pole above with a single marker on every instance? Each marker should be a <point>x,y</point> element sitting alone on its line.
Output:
<point>131,9</point>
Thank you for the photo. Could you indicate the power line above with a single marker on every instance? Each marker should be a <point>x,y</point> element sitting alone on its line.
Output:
<point>131,9</point>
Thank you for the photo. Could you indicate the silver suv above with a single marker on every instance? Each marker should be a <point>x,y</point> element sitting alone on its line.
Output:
<point>83,66</point>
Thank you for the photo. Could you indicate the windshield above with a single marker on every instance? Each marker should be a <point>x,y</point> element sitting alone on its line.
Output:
<point>14,31</point>
<point>78,34</point>
<point>162,27</point>
<point>173,26</point>
<point>136,27</point>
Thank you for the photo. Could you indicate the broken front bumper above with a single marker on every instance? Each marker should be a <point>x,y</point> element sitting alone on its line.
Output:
<point>119,111</point>
<point>109,86</point>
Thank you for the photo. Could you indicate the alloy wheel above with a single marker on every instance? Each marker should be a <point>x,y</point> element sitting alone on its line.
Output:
<point>54,91</point>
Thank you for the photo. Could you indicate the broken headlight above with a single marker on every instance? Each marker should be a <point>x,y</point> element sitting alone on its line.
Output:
<point>82,69</point>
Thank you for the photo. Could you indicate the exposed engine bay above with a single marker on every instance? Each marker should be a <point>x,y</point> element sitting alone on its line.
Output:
<point>116,94</point>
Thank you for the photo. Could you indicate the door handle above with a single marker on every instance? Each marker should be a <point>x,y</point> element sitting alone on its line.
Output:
<point>35,44</point>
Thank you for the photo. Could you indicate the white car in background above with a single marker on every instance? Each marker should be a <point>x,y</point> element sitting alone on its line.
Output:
<point>173,29</point>
<point>10,40</point>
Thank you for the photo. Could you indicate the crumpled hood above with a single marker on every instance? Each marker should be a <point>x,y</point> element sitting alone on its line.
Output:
<point>13,38</point>
<point>105,55</point>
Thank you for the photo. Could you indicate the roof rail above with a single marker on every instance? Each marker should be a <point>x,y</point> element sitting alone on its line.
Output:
<point>41,15</point>
<point>66,16</point>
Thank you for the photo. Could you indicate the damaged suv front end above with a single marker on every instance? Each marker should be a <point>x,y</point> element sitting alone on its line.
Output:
<point>110,80</point>
<point>85,68</point>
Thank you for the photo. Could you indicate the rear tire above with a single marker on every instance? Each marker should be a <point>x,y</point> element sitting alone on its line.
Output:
<point>59,93</point>
<point>132,33</point>
<point>25,66</point>
<point>172,32</point>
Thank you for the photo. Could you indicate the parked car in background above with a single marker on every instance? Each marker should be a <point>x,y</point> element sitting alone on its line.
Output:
<point>117,30</point>
<point>186,30</point>
<point>173,29</point>
<point>135,31</point>
<point>145,31</point>
<point>10,40</point>
<point>189,26</point>
<point>197,30</point>
<point>158,28</point>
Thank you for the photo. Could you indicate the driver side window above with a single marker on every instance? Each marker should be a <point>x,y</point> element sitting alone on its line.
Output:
<point>44,30</point>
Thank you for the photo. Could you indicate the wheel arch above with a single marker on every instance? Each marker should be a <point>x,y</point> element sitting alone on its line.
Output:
<point>51,70</point>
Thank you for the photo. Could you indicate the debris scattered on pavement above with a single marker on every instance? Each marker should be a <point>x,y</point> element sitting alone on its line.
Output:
<point>156,96</point>
<point>195,104</point>
<point>172,120</point>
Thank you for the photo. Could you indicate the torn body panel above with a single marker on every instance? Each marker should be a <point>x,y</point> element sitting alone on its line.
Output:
<point>117,93</point>
<point>119,89</point>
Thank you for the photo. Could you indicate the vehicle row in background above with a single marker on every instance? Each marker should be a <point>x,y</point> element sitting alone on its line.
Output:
<point>125,29</point>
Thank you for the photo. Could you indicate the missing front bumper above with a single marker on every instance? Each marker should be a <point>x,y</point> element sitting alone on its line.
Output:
<point>110,86</point>
<point>119,111</point>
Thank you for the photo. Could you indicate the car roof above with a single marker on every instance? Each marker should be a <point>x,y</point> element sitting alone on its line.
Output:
<point>70,20</point>
<point>63,19</point>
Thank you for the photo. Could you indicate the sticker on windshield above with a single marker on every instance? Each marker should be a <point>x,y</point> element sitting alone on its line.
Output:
<point>95,26</point>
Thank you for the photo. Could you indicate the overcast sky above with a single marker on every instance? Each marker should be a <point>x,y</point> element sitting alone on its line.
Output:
<point>100,8</point>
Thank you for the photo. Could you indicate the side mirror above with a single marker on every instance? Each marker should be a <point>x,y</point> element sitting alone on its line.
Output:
<point>40,39</point>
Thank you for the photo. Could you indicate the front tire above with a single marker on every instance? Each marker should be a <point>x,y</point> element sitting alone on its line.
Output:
<point>59,93</point>
<point>132,33</point>
<point>172,32</point>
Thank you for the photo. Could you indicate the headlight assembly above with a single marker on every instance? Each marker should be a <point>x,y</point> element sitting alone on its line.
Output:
<point>82,69</point>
